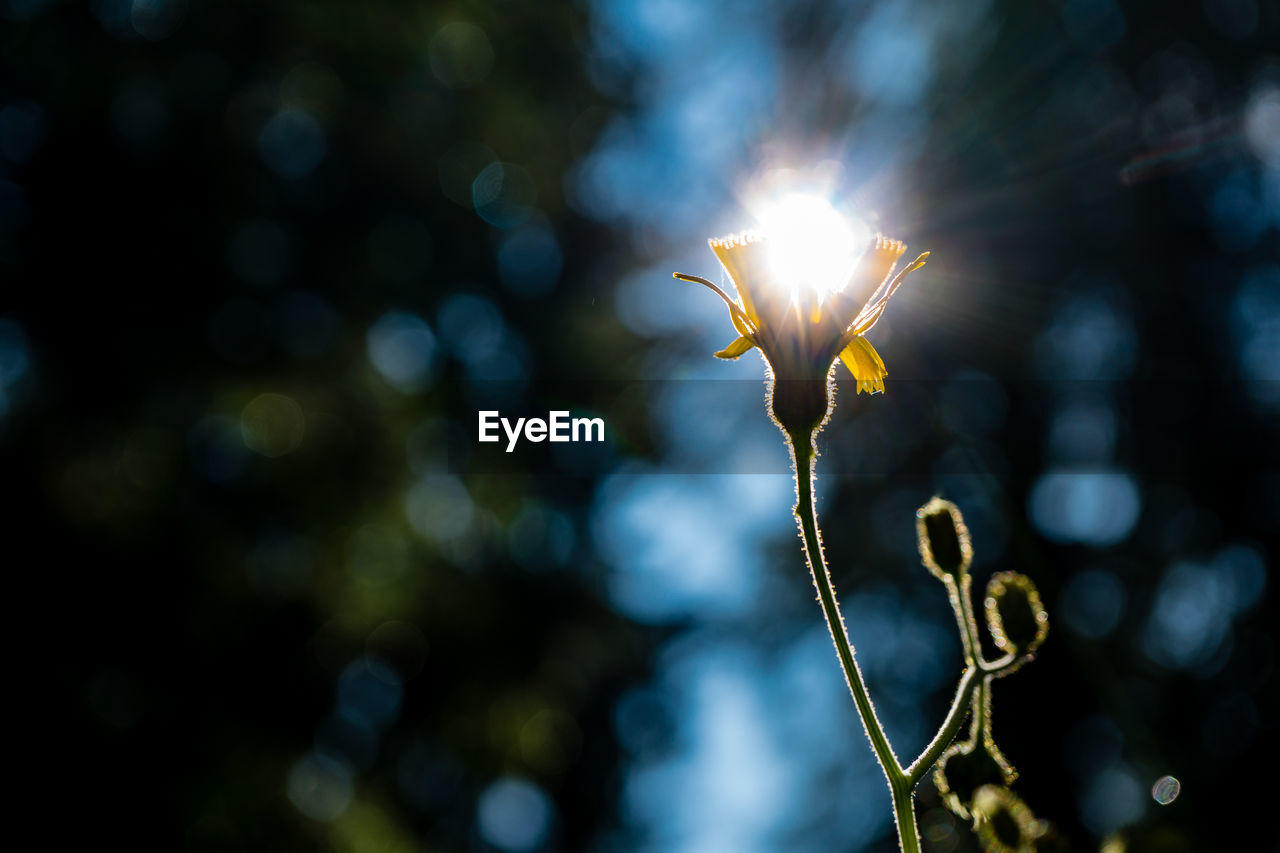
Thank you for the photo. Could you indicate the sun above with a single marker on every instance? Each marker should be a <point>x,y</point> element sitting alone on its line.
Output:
<point>812,248</point>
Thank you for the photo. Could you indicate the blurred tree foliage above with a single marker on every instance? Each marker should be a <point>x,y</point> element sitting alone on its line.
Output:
<point>196,602</point>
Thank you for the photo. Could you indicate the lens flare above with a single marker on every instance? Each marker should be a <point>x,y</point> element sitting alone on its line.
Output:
<point>812,248</point>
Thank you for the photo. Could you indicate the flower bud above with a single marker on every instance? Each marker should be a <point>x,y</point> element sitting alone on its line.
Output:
<point>1015,615</point>
<point>944,538</point>
<point>963,769</point>
<point>1003,822</point>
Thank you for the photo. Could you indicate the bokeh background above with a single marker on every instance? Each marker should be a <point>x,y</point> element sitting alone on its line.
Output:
<point>261,263</point>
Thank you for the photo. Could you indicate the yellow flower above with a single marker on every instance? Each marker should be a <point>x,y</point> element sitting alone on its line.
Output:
<point>802,333</point>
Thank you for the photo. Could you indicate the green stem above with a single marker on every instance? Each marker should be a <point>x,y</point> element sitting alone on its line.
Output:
<point>981,708</point>
<point>904,817</point>
<point>962,604</point>
<point>900,785</point>
<point>950,726</point>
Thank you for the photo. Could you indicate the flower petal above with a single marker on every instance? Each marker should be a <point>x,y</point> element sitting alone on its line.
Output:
<point>874,268</point>
<point>740,324</point>
<point>902,276</point>
<point>867,319</point>
<point>744,258</point>
<point>842,309</point>
<point>872,311</point>
<point>865,364</point>
<point>737,348</point>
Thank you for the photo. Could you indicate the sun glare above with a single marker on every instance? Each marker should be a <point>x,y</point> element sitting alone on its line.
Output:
<point>812,248</point>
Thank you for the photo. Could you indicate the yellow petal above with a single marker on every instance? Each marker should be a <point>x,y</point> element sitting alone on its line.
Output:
<point>842,309</point>
<point>902,276</point>
<point>865,364</point>
<point>871,313</point>
<point>867,319</point>
<point>744,258</point>
<point>737,348</point>
<point>874,268</point>
<point>875,356</point>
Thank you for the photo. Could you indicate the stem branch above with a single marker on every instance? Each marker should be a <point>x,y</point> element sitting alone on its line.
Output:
<point>950,726</point>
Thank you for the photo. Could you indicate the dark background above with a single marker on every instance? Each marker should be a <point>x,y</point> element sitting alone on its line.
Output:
<point>261,263</point>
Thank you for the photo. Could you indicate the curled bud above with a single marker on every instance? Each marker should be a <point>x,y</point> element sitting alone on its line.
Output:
<point>1003,822</point>
<point>966,767</point>
<point>944,538</point>
<point>1015,615</point>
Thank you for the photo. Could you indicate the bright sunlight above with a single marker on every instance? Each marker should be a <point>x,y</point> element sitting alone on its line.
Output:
<point>811,246</point>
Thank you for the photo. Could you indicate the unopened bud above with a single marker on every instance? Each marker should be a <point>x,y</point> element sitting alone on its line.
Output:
<point>944,538</point>
<point>1015,615</point>
<point>1003,821</point>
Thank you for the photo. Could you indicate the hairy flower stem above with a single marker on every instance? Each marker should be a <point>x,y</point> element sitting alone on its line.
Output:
<point>900,783</point>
